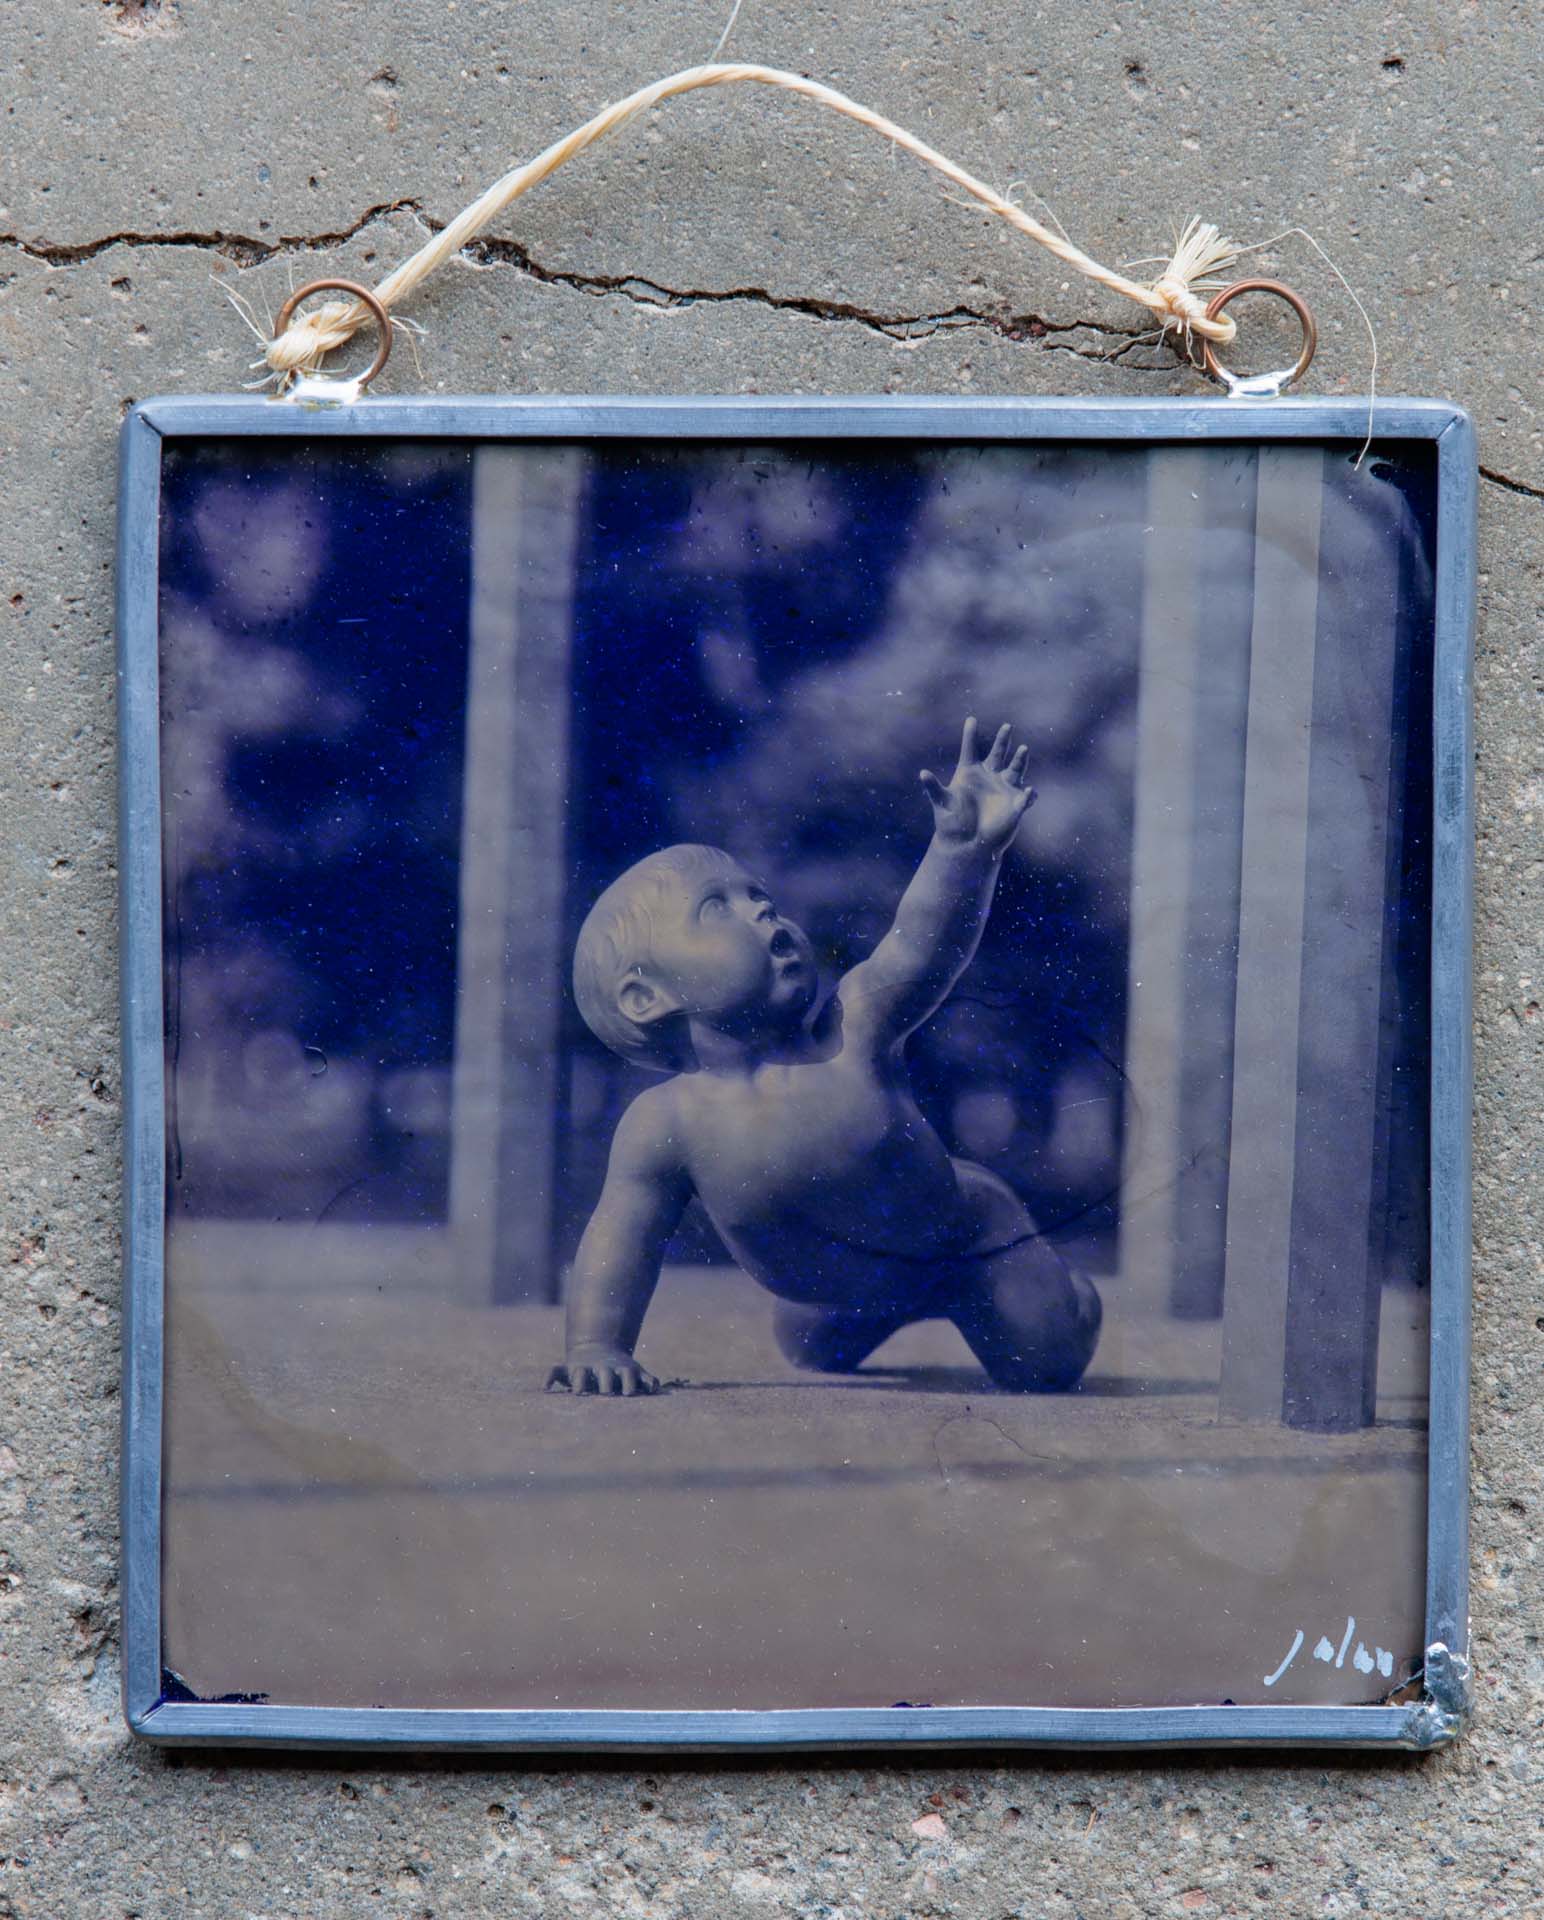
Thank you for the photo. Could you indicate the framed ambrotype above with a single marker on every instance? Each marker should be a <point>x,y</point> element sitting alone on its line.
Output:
<point>797,1072</point>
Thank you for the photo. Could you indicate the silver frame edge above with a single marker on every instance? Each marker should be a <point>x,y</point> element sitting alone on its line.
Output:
<point>1429,1722</point>
<point>143,1058</point>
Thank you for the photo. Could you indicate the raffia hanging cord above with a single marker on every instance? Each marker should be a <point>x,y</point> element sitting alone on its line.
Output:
<point>1171,298</point>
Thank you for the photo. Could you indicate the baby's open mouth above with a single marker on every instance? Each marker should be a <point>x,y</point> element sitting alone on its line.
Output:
<point>783,945</point>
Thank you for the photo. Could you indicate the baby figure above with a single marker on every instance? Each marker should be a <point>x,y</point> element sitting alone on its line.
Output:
<point>791,1118</point>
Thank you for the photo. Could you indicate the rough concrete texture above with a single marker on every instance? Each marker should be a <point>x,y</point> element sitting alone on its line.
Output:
<point>157,152</point>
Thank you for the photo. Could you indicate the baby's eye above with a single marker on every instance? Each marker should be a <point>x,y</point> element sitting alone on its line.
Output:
<point>713,904</point>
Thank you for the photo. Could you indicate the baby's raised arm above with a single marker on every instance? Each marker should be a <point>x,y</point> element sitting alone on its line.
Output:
<point>939,920</point>
<point>617,1267</point>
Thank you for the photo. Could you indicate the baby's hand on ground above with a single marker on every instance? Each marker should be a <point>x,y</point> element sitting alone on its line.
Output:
<point>594,1369</point>
<point>985,799</point>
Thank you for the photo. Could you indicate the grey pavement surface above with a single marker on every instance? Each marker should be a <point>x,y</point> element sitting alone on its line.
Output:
<point>369,1495</point>
<point>155,154</point>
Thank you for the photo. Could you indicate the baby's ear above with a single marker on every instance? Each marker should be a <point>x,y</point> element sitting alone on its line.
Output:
<point>644,1001</point>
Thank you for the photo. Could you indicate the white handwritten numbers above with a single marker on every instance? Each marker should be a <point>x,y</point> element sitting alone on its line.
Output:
<point>1332,1655</point>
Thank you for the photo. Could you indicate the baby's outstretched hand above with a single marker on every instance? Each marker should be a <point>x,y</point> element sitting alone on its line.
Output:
<point>986,798</point>
<point>592,1369</point>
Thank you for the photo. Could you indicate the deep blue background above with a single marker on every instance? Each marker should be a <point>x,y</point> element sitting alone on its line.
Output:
<point>362,929</point>
<point>312,856</point>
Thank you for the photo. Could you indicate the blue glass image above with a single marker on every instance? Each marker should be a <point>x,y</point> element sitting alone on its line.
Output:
<point>424,704</point>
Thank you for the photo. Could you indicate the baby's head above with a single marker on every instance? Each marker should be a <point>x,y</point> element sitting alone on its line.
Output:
<point>687,934</point>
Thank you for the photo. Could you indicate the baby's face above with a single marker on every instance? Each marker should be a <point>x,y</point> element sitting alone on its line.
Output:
<point>723,949</point>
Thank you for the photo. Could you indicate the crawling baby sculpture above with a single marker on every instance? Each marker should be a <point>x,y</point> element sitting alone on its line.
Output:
<point>792,1119</point>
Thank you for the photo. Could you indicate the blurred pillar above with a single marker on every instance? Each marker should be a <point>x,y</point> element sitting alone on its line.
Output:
<point>1289,510</point>
<point>1300,1319</point>
<point>509,965</point>
<point>1341,1198</point>
<point>1226,591</point>
<point>1175,536</point>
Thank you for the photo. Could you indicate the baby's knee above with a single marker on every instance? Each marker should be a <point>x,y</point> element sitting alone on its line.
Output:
<point>1087,1310</point>
<point>1081,1314</point>
<point>1058,1358</point>
<point>1036,1335</point>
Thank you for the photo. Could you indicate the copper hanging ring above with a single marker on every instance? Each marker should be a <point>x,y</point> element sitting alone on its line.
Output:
<point>1267,382</point>
<point>365,298</point>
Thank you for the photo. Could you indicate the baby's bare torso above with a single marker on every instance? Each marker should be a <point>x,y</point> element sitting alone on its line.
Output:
<point>822,1177</point>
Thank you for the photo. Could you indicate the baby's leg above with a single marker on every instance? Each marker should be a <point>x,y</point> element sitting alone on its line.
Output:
<point>1029,1318</point>
<point>830,1339</point>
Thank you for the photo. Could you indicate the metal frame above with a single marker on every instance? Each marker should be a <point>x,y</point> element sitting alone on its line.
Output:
<point>1433,1720</point>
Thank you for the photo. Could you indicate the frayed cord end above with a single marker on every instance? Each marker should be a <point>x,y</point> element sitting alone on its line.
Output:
<point>1201,252</point>
<point>306,342</point>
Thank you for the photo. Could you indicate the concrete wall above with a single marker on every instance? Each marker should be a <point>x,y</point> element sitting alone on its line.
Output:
<point>157,152</point>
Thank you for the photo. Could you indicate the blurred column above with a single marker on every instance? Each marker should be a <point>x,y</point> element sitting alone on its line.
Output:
<point>1226,590</point>
<point>1288,513</point>
<point>1300,1319</point>
<point>1341,1198</point>
<point>1175,536</point>
<point>510,966</point>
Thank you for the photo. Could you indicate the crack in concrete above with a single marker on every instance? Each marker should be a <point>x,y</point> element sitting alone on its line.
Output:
<point>250,250</point>
<point>903,328</point>
<point>247,250</point>
<point>1505,481</point>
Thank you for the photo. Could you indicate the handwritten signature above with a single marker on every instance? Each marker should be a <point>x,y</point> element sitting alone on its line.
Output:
<point>1334,1656</point>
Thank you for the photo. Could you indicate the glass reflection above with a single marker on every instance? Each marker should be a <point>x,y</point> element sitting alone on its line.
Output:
<point>421,703</point>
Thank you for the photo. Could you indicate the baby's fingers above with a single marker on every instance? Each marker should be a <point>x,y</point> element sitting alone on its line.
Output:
<point>624,1380</point>
<point>1017,765</point>
<point>566,1379</point>
<point>935,789</point>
